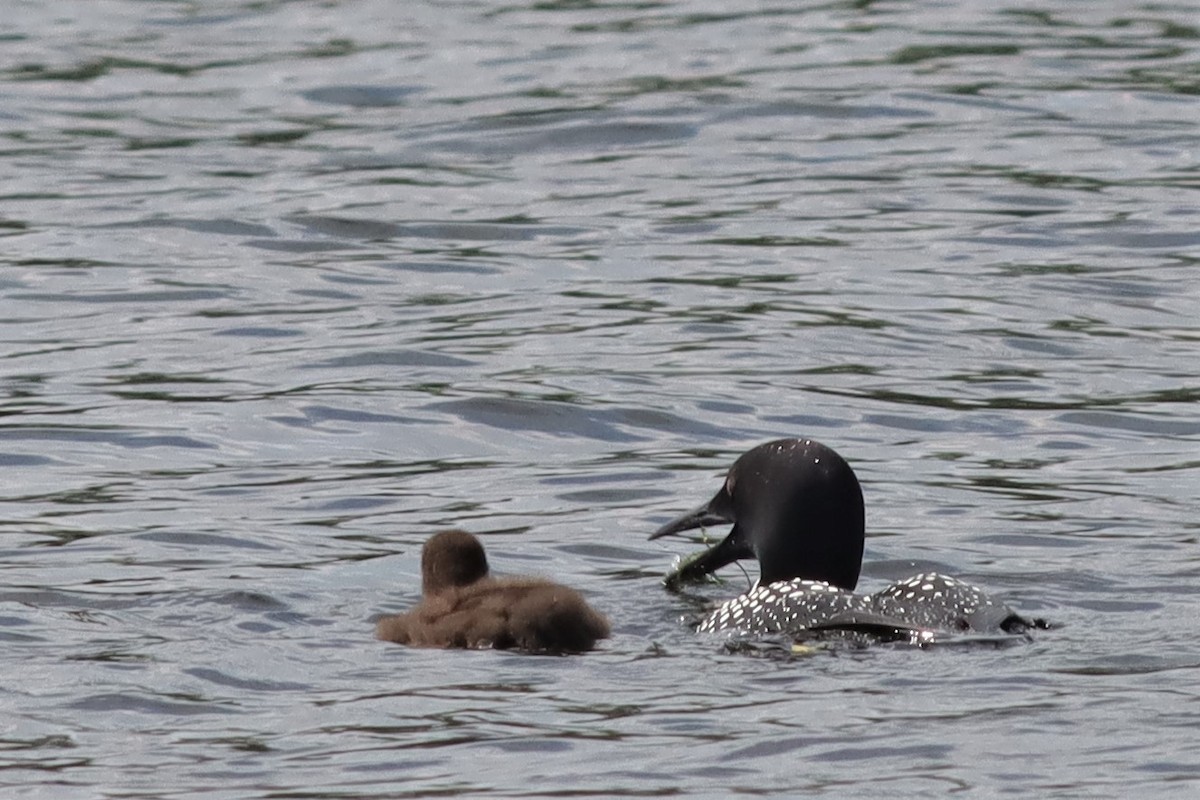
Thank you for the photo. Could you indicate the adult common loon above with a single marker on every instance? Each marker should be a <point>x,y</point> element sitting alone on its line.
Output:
<point>462,606</point>
<point>797,508</point>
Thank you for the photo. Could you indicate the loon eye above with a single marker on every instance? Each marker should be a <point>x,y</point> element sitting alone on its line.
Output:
<point>730,480</point>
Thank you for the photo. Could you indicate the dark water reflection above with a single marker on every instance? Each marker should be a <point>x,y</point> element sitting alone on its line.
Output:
<point>288,286</point>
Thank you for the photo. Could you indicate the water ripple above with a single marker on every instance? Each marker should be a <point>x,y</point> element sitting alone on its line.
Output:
<point>287,287</point>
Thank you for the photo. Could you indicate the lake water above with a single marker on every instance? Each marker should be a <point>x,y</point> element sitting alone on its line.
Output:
<point>288,286</point>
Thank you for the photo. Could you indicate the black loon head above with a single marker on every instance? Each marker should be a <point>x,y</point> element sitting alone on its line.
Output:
<point>796,507</point>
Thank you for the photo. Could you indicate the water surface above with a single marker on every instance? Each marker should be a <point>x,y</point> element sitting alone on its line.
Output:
<point>285,287</point>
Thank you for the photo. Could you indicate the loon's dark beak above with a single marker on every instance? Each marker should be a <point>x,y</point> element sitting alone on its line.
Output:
<point>725,552</point>
<point>700,517</point>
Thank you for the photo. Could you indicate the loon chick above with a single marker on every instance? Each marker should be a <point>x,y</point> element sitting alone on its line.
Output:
<point>462,607</point>
<point>797,508</point>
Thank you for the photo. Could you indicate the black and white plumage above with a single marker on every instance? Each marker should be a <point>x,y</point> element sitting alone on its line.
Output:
<point>781,606</point>
<point>796,507</point>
